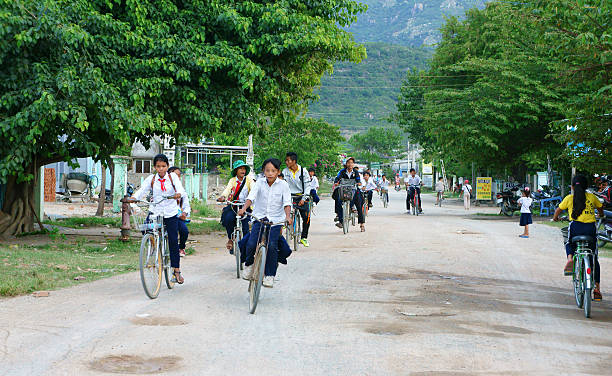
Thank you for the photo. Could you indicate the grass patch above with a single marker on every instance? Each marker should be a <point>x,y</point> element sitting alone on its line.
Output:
<point>324,187</point>
<point>25,269</point>
<point>205,227</point>
<point>80,222</point>
<point>202,209</point>
<point>488,214</point>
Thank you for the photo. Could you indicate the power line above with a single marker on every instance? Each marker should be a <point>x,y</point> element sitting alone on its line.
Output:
<point>388,87</point>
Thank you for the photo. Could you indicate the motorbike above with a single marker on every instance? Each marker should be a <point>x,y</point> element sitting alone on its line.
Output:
<point>604,224</point>
<point>508,200</point>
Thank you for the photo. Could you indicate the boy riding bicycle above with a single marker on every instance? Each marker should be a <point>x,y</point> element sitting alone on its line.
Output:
<point>413,186</point>
<point>300,184</point>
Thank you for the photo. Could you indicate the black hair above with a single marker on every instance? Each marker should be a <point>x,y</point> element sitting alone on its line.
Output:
<point>275,162</point>
<point>355,168</point>
<point>384,176</point>
<point>281,175</point>
<point>160,158</point>
<point>173,168</point>
<point>367,172</point>
<point>440,178</point>
<point>311,169</point>
<point>412,169</point>
<point>292,156</point>
<point>579,183</point>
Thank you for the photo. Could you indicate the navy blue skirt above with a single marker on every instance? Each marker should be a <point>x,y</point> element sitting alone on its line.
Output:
<point>526,219</point>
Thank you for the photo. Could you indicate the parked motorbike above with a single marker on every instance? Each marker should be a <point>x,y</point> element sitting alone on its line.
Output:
<point>604,224</point>
<point>508,200</point>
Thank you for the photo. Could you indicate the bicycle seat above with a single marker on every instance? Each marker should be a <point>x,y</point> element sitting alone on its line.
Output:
<point>582,238</point>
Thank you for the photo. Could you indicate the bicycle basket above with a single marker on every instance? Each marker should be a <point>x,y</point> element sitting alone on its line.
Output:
<point>142,219</point>
<point>346,189</point>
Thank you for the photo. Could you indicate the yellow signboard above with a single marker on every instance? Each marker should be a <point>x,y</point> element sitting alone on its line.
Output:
<point>483,188</point>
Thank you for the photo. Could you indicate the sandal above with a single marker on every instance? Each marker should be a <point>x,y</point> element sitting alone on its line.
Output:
<point>362,227</point>
<point>178,278</point>
<point>569,268</point>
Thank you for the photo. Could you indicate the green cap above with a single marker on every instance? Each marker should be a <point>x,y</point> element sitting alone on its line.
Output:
<point>240,163</point>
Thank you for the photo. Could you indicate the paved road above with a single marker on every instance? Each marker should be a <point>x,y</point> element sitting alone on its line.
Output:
<point>440,294</point>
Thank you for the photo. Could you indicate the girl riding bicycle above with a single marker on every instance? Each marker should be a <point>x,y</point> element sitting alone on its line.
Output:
<point>163,185</point>
<point>271,198</point>
<point>581,207</point>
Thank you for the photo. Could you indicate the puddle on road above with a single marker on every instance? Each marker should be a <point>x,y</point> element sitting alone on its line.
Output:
<point>148,320</point>
<point>511,329</point>
<point>387,330</point>
<point>134,364</point>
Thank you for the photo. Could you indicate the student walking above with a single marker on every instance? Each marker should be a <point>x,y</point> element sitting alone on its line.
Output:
<point>467,194</point>
<point>526,220</point>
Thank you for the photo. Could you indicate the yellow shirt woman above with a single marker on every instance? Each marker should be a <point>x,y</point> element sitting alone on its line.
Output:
<point>588,214</point>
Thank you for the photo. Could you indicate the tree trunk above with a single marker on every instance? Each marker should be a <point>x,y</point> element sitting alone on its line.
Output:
<point>102,196</point>
<point>16,215</point>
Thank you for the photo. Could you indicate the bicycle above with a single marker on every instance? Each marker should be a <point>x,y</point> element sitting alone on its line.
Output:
<point>414,200</point>
<point>259,263</point>
<point>154,257</point>
<point>384,196</point>
<point>346,194</point>
<point>295,231</point>
<point>364,206</point>
<point>237,235</point>
<point>440,197</point>
<point>582,274</point>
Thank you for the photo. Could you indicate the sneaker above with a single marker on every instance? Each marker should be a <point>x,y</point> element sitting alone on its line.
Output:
<point>268,281</point>
<point>597,295</point>
<point>338,224</point>
<point>247,272</point>
<point>305,242</point>
<point>182,253</point>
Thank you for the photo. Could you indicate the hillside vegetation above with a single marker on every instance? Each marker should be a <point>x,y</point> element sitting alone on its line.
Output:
<point>357,96</point>
<point>407,22</point>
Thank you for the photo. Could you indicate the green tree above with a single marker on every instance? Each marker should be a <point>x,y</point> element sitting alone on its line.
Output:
<point>84,77</point>
<point>577,36</point>
<point>489,95</point>
<point>316,142</point>
<point>377,144</point>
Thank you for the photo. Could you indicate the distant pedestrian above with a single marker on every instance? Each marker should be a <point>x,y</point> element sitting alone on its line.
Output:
<point>525,203</point>
<point>467,194</point>
<point>314,187</point>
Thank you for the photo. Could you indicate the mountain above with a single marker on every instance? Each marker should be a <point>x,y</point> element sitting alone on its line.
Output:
<point>407,22</point>
<point>357,96</point>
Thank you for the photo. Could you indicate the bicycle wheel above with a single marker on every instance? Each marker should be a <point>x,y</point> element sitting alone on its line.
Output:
<point>577,279</point>
<point>237,252</point>
<point>601,233</point>
<point>507,210</point>
<point>588,294</point>
<point>385,199</point>
<point>256,281</point>
<point>346,208</point>
<point>297,232</point>
<point>150,266</point>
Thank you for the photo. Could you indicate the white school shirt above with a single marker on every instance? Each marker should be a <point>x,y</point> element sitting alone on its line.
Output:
<point>315,183</point>
<point>467,189</point>
<point>167,208</point>
<point>369,185</point>
<point>439,186</point>
<point>270,201</point>
<point>385,184</point>
<point>525,204</point>
<point>186,208</point>
<point>294,181</point>
<point>416,180</point>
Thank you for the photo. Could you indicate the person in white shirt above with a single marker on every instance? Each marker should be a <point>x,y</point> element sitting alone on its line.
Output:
<point>526,219</point>
<point>439,190</point>
<point>184,216</point>
<point>300,184</point>
<point>271,198</point>
<point>368,186</point>
<point>314,185</point>
<point>466,190</point>
<point>413,186</point>
<point>163,185</point>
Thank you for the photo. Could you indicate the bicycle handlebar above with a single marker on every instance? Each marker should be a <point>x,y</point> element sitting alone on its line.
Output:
<point>265,222</point>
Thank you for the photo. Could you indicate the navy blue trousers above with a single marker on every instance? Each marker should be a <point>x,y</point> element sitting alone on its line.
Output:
<point>228,220</point>
<point>580,228</point>
<point>315,196</point>
<point>171,225</point>
<point>183,233</point>
<point>272,254</point>
<point>357,202</point>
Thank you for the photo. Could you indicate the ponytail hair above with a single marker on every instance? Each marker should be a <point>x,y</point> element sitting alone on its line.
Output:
<point>579,183</point>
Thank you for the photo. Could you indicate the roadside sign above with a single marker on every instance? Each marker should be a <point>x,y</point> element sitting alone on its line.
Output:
<point>427,169</point>
<point>375,166</point>
<point>483,188</point>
